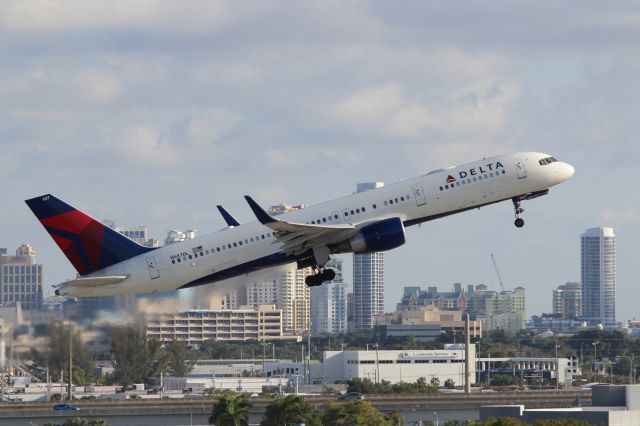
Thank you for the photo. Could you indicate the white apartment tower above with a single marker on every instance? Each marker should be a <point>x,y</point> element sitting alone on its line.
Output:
<point>293,298</point>
<point>598,248</point>
<point>368,280</point>
<point>329,303</point>
<point>21,278</point>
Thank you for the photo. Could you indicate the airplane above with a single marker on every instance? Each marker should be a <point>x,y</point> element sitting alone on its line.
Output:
<point>109,263</point>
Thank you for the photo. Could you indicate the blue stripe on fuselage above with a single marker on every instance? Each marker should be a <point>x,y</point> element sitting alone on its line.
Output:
<point>275,259</point>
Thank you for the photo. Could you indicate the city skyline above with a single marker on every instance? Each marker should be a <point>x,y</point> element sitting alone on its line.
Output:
<point>155,114</point>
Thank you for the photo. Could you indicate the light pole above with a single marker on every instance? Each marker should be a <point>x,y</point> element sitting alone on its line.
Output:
<point>595,358</point>
<point>557,365</point>
<point>377,365</point>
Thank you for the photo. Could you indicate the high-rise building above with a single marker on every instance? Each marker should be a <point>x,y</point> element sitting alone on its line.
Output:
<point>599,276</point>
<point>329,303</point>
<point>499,310</point>
<point>368,280</point>
<point>567,301</point>
<point>293,298</point>
<point>21,278</point>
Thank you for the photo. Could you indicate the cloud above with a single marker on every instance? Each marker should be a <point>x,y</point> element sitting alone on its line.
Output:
<point>144,145</point>
<point>189,17</point>
<point>210,125</point>
<point>620,216</point>
<point>98,87</point>
<point>388,111</point>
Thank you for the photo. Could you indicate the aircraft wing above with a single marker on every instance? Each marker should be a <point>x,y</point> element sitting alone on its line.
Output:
<point>300,237</point>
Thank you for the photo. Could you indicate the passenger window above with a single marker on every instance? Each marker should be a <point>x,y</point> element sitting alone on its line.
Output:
<point>240,242</point>
<point>352,213</point>
<point>190,257</point>
<point>374,206</point>
<point>446,187</point>
<point>335,216</point>
<point>441,188</point>
<point>207,252</point>
<point>390,201</point>
<point>401,198</point>
<point>229,246</point>
<point>313,222</point>
<point>235,244</point>
<point>357,210</point>
<point>346,213</point>
<point>173,261</point>
<point>324,220</point>
<point>217,248</point>
<point>397,200</point>
<point>363,210</point>
<point>262,236</point>
<point>179,260</point>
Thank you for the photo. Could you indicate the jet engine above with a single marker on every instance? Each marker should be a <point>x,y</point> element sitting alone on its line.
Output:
<point>383,235</point>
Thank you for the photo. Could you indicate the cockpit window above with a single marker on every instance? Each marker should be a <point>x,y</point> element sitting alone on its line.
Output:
<point>547,160</point>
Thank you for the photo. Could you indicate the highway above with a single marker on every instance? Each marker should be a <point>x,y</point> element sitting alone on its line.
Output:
<point>196,411</point>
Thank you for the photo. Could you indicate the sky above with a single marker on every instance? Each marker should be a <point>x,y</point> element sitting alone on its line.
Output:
<point>152,112</point>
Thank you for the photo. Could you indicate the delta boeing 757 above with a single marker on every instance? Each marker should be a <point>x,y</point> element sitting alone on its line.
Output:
<point>109,263</point>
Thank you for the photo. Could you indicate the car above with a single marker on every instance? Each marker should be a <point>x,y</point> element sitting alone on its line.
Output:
<point>350,395</point>
<point>65,407</point>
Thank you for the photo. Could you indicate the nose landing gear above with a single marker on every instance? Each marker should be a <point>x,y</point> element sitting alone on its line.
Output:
<point>519,222</point>
<point>320,277</point>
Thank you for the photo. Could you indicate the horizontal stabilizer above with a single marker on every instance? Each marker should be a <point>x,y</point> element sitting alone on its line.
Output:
<point>95,281</point>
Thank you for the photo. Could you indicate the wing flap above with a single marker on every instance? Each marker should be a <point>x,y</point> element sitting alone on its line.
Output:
<point>95,281</point>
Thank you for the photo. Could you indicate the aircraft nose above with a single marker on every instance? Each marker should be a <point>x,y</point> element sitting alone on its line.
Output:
<point>566,171</point>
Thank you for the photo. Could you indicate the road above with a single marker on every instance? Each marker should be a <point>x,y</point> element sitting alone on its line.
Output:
<point>196,411</point>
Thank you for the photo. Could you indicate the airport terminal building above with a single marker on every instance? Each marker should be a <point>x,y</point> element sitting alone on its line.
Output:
<point>399,365</point>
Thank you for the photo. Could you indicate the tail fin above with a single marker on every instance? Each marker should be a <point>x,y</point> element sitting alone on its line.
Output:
<point>88,244</point>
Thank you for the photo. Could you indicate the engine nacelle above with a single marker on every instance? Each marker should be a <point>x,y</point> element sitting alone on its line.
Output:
<point>379,236</point>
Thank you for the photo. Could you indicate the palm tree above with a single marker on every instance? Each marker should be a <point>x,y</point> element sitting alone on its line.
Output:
<point>289,410</point>
<point>231,409</point>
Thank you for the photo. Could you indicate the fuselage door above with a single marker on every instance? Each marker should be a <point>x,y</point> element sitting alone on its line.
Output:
<point>418,194</point>
<point>153,268</point>
<point>521,172</point>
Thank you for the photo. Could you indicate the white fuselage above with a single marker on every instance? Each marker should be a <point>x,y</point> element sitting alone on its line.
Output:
<point>252,246</point>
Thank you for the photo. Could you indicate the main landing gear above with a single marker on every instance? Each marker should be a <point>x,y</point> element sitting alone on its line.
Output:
<point>519,222</point>
<point>320,277</point>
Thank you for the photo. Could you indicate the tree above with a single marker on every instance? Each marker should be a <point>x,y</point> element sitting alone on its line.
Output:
<point>231,409</point>
<point>288,410</point>
<point>135,357</point>
<point>356,412</point>
<point>435,381</point>
<point>181,359</point>
<point>449,384</point>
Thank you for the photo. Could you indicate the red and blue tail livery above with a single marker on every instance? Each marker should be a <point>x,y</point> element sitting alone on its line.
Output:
<point>88,244</point>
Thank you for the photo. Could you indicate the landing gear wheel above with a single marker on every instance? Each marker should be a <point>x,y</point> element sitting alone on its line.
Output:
<point>328,274</point>
<point>518,211</point>
<point>320,277</point>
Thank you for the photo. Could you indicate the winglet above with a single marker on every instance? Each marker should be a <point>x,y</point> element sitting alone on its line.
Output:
<point>231,221</point>
<point>262,215</point>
